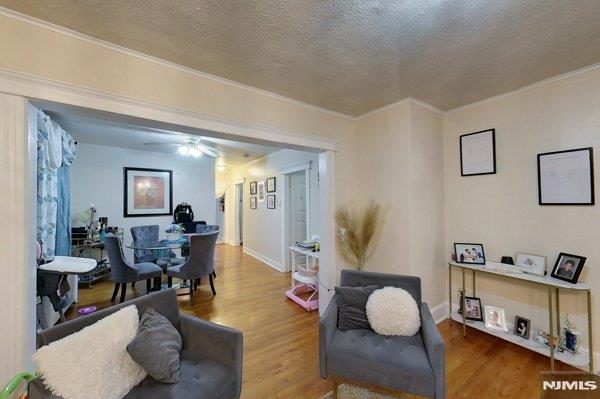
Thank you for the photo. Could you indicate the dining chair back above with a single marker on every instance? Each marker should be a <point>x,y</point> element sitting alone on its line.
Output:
<point>202,255</point>
<point>144,236</point>
<point>206,228</point>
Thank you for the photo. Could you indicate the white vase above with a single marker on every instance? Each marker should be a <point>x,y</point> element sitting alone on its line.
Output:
<point>173,236</point>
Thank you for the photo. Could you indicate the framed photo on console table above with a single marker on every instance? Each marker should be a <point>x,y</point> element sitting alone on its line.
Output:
<point>532,264</point>
<point>568,267</point>
<point>469,253</point>
<point>566,177</point>
<point>478,153</point>
<point>495,318</point>
<point>147,192</point>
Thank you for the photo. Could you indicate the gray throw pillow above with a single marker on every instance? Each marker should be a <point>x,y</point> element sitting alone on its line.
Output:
<point>156,347</point>
<point>352,302</point>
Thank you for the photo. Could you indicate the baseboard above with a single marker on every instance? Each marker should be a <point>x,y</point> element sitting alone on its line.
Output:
<point>440,312</point>
<point>266,260</point>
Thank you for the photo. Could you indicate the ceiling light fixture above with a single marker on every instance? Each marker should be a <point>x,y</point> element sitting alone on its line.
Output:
<point>221,167</point>
<point>195,152</point>
<point>184,150</point>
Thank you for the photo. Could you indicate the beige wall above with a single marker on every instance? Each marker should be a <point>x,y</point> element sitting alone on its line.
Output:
<point>400,164</point>
<point>502,212</point>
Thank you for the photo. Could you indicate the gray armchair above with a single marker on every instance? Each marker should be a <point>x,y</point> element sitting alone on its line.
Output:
<point>211,357</point>
<point>396,364</point>
<point>122,273</point>
<point>200,263</point>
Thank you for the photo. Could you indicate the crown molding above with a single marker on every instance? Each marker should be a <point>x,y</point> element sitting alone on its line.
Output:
<point>115,47</point>
<point>395,104</point>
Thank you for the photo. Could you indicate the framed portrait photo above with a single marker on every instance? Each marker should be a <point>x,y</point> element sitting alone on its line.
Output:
<point>522,327</point>
<point>474,308</point>
<point>271,186</point>
<point>495,318</point>
<point>469,253</point>
<point>271,201</point>
<point>478,153</point>
<point>566,177</point>
<point>568,267</point>
<point>532,264</point>
<point>147,192</point>
<point>252,202</point>
<point>252,188</point>
<point>261,191</point>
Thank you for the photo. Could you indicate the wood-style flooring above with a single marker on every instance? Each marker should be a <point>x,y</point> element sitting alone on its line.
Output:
<point>281,340</point>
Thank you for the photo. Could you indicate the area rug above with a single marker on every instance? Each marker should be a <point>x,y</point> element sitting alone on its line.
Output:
<point>346,391</point>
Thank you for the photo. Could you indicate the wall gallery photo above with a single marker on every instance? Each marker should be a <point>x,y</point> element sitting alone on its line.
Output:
<point>566,177</point>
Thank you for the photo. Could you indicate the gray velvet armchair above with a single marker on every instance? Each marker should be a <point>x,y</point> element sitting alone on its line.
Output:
<point>394,364</point>
<point>211,357</point>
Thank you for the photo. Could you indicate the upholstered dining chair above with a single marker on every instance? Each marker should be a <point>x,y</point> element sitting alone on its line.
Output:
<point>123,273</point>
<point>144,236</point>
<point>199,264</point>
<point>201,229</point>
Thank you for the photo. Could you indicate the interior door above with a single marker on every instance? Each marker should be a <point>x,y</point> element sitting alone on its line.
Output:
<point>298,211</point>
<point>240,212</point>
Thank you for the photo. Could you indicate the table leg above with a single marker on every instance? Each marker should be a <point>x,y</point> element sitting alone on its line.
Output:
<point>474,283</point>
<point>590,331</point>
<point>463,306</point>
<point>551,336</point>
<point>558,331</point>
<point>450,292</point>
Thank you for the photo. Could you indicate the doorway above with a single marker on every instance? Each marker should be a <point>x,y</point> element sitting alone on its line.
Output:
<point>297,217</point>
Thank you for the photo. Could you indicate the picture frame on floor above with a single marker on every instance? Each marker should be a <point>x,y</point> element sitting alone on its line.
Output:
<point>566,177</point>
<point>252,202</point>
<point>522,327</point>
<point>532,264</point>
<point>270,201</point>
<point>495,318</point>
<point>568,267</point>
<point>478,153</point>
<point>469,253</point>
<point>252,188</point>
<point>271,184</point>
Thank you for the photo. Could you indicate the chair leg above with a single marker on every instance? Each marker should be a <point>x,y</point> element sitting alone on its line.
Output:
<point>133,285</point>
<point>115,292</point>
<point>123,292</point>
<point>212,285</point>
<point>214,274</point>
<point>148,285</point>
<point>191,293</point>
<point>335,389</point>
<point>157,283</point>
<point>169,281</point>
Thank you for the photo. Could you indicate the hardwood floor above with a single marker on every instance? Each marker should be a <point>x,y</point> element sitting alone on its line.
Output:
<point>281,340</point>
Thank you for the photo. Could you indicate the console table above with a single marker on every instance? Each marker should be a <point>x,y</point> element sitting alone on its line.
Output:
<point>554,286</point>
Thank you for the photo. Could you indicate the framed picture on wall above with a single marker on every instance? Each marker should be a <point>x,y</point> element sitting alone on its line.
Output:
<point>261,191</point>
<point>478,153</point>
<point>566,177</point>
<point>252,188</point>
<point>147,192</point>
<point>271,201</point>
<point>271,186</point>
<point>252,202</point>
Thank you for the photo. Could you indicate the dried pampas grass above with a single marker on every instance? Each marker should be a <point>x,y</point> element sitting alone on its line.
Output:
<point>358,231</point>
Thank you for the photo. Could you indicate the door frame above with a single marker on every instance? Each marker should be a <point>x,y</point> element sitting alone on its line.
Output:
<point>237,229</point>
<point>285,208</point>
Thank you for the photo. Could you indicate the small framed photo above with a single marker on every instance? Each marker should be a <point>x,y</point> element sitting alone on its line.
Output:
<point>494,318</point>
<point>522,327</point>
<point>271,201</point>
<point>532,264</point>
<point>261,191</point>
<point>474,308</point>
<point>478,153</point>
<point>252,202</point>
<point>469,253</point>
<point>566,177</point>
<point>568,267</point>
<point>271,186</point>
<point>252,188</point>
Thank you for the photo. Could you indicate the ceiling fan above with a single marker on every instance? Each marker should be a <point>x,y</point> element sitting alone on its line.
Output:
<point>192,147</point>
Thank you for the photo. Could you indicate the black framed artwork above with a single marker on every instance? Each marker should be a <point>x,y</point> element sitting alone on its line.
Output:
<point>271,201</point>
<point>566,177</point>
<point>469,253</point>
<point>478,153</point>
<point>252,188</point>
<point>271,186</point>
<point>568,267</point>
<point>474,308</point>
<point>147,192</point>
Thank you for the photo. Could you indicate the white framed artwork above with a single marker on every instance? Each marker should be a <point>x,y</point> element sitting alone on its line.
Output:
<point>478,153</point>
<point>566,177</point>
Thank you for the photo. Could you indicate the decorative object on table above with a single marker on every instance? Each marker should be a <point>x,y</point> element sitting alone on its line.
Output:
<point>568,267</point>
<point>392,311</point>
<point>532,264</point>
<point>147,192</point>
<point>252,202</point>
<point>566,177</point>
<point>469,253</point>
<point>358,231</point>
<point>453,256</point>
<point>87,310</point>
<point>93,222</point>
<point>252,188</point>
<point>270,201</point>
<point>474,308</point>
<point>103,220</point>
<point>271,186</point>
<point>522,327</point>
<point>508,260</point>
<point>569,335</point>
<point>495,318</point>
<point>174,231</point>
<point>545,339</point>
<point>183,213</point>
<point>261,191</point>
<point>478,153</point>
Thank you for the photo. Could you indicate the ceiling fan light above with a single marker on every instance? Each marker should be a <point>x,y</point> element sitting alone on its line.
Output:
<point>221,167</point>
<point>195,152</point>
<point>183,150</point>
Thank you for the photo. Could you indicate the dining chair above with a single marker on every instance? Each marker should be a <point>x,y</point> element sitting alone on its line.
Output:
<point>122,272</point>
<point>149,236</point>
<point>200,229</point>
<point>199,264</point>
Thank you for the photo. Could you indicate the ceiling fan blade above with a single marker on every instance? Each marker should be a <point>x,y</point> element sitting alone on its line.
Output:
<point>210,152</point>
<point>165,143</point>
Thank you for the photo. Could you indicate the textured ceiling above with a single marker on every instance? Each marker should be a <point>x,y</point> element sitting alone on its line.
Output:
<point>350,56</point>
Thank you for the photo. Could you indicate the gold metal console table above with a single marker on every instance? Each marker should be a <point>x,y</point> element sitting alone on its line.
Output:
<point>553,285</point>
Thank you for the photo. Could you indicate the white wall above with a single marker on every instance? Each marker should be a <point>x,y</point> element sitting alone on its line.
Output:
<point>262,227</point>
<point>502,212</point>
<point>97,176</point>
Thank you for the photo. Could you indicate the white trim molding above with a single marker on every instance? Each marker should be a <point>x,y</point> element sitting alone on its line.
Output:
<point>265,259</point>
<point>296,168</point>
<point>440,312</point>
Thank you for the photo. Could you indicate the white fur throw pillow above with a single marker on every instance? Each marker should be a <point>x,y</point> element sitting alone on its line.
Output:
<point>93,362</point>
<point>393,311</point>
